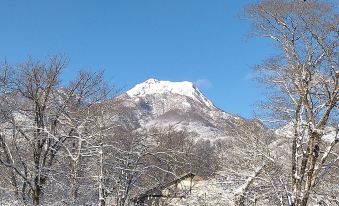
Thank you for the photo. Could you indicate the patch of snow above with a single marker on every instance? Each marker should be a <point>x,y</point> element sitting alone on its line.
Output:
<point>200,131</point>
<point>206,192</point>
<point>285,131</point>
<point>330,134</point>
<point>186,104</point>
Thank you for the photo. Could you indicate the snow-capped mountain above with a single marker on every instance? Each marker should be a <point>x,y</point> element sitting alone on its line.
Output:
<point>156,103</point>
<point>153,86</point>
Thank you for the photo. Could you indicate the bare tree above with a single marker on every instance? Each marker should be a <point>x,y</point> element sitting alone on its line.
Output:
<point>42,120</point>
<point>304,83</point>
<point>32,85</point>
<point>134,161</point>
<point>251,166</point>
<point>82,121</point>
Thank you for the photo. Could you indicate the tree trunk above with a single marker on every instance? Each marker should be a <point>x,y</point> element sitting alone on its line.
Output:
<point>102,201</point>
<point>239,196</point>
<point>74,184</point>
<point>36,196</point>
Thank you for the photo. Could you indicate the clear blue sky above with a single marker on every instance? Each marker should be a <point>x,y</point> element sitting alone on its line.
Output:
<point>132,40</point>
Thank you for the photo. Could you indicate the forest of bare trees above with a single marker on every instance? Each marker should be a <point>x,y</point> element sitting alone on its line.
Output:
<point>59,146</point>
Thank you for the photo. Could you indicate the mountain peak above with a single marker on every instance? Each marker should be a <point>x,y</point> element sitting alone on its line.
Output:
<point>154,86</point>
<point>151,81</point>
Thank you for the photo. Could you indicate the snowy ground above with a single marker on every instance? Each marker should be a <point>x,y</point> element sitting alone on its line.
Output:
<point>207,193</point>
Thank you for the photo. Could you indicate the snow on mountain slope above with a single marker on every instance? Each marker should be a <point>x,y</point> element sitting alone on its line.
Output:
<point>153,86</point>
<point>160,104</point>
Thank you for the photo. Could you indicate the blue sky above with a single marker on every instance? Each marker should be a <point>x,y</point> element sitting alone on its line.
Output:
<point>202,41</point>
